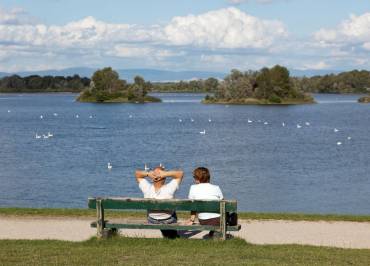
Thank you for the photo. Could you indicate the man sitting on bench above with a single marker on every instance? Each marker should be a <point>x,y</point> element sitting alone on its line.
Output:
<point>160,190</point>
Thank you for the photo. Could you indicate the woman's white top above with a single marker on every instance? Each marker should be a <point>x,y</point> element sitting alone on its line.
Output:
<point>206,191</point>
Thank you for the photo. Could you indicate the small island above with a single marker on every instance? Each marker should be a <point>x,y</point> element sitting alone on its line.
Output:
<point>365,99</point>
<point>106,87</point>
<point>267,86</point>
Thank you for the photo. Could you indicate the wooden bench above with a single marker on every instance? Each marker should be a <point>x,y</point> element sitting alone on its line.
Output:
<point>117,203</point>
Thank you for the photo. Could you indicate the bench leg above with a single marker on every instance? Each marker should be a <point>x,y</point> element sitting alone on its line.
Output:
<point>100,218</point>
<point>109,232</point>
<point>223,220</point>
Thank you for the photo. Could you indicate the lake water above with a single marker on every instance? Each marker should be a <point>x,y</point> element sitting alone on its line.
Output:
<point>266,167</point>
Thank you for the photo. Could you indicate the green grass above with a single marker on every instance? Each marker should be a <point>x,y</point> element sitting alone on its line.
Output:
<point>131,251</point>
<point>242,215</point>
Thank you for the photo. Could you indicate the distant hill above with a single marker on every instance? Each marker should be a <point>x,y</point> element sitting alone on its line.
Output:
<point>127,74</point>
<point>154,74</point>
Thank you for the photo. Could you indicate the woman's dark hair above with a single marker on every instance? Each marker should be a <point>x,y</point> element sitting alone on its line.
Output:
<point>202,175</point>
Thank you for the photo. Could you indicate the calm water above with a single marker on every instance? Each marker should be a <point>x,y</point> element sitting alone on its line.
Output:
<point>265,167</point>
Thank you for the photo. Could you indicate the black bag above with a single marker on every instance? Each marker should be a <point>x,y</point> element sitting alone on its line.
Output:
<point>232,218</point>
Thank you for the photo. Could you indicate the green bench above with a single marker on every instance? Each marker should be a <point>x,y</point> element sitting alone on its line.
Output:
<point>104,227</point>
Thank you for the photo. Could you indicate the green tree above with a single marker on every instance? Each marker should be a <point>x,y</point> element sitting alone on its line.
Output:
<point>106,80</point>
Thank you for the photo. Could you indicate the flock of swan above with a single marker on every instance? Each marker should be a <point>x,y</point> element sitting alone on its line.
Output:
<point>203,132</point>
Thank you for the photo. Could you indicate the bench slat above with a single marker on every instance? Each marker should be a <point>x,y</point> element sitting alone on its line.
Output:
<point>167,226</point>
<point>152,204</point>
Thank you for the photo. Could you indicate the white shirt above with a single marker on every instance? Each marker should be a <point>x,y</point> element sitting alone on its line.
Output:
<point>167,191</point>
<point>206,191</point>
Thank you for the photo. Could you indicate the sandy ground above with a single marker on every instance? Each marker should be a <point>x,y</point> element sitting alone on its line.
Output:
<point>332,234</point>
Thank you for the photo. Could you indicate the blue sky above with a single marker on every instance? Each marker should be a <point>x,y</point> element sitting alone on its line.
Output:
<point>212,35</point>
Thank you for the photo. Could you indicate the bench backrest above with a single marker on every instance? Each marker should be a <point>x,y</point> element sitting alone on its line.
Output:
<point>117,203</point>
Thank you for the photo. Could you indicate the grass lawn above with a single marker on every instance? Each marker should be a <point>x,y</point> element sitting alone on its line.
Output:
<point>131,251</point>
<point>242,215</point>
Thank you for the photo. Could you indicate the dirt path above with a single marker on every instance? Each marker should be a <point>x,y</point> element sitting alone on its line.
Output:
<point>333,234</point>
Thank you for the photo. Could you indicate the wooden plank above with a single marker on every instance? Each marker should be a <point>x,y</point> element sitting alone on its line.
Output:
<point>166,226</point>
<point>174,204</point>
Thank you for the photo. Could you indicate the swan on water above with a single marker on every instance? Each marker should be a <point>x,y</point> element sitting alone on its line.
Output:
<point>349,138</point>
<point>55,114</point>
<point>336,130</point>
<point>9,111</point>
<point>109,166</point>
<point>77,116</point>
<point>299,126</point>
<point>45,136</point>
<point>209,120</point>
<point>192,120</point>
<point>339,143</point>
<point>90,116</point>
<point>307,123</point>
<point>50,135</point>
<point>283,124</point>
<point>130,116</point>
<point>249,121</point>
<point>180,120</point>
<point>37,136</point>
<point>146,168</point>
<point>41,116</point>
<point>203,132</point>
<point>266,123</point>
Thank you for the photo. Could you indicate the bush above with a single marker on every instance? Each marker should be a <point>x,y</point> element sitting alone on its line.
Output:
<point>274,99</point>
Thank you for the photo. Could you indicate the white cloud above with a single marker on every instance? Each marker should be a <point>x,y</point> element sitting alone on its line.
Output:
<point>353,31</point>
<point>224,28</point>
<point>317,65</point>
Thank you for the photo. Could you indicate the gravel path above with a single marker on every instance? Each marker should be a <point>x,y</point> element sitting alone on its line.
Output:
<point>332,234</point>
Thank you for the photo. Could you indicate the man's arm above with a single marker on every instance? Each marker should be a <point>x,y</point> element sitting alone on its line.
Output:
<point>176,174</point>
<point>140,175</point>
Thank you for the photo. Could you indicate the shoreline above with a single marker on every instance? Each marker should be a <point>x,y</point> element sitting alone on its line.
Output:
<point>87,213</point>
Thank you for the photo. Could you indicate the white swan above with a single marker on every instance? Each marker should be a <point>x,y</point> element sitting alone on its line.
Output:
<point>307,123</point>
<point>109,166</point>
<point>202,132</point>
<point>90,116</point>
<point>50,135</point>
<point>209,120</point>
<point>192,120</point>
<point>37,136</point>
<point>45,136</point>
<point>336,130</point>
<point>339,143</point>
<point>146,168</point>
<point>55,114</point>
<point>266,123</point>
<point>9,111</point>
<point>180,120</point>
<point>283,124</point>
<point>41,117</point>
<point>299,126</point>
<point>349,138</point>
<point>77,116</point>
<point>249,121</point>
<point>130,116</point>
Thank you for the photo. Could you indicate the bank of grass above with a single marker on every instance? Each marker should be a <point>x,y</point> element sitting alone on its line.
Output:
<point>254,101</point>
<point>81,213</point>
<point>134,251</point>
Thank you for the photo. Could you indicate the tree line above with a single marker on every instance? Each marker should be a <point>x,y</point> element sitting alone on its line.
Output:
<point>35,83</point>
<point>356,81</point>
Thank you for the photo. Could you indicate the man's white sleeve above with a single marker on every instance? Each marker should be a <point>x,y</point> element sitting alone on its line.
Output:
<point>191,196</point>
<point>144,185</point>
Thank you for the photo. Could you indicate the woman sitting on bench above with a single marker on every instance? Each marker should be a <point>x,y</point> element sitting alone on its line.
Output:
<point>160,190</point>
<point>204,190</point>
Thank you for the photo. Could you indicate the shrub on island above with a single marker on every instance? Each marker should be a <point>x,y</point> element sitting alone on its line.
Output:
<point>365,99</point>
<point>267,86</point>
<point>106,87</point>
